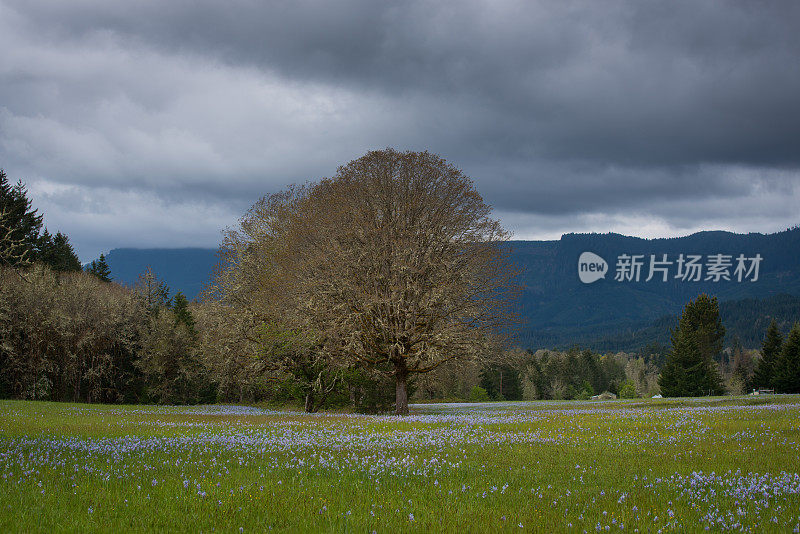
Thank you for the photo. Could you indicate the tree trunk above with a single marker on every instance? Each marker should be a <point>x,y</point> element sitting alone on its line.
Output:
<point>310,402</point>
<point>501,384</point>
<point>401,394</point>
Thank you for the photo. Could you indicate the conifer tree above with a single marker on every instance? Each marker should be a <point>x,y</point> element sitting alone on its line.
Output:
<point>100,269</point>
<point>787,368</point>
<point>770,352</point>
<point>690,369</point>
<point>682,372</point>
<point>19,225</point>
<point>180,307</point>
<point>56,252</point>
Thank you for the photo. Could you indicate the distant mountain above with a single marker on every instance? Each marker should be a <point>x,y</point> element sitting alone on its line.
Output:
<point>183,269</point>
<point>562,311</point>
<point>559,310</point>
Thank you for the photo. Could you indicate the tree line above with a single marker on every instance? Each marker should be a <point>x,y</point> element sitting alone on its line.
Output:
<point>350,287</point>
<point>70,336</point>
<point>696,358</point>
<point>694,364</point>
<point>779,365</point>
<point>383,283</point>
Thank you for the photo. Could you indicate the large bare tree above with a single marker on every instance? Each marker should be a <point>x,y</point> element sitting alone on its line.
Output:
<point>398,265</point>
<point>393,264</point>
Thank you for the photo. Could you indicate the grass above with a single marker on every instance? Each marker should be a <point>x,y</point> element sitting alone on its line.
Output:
<point>617,466</point>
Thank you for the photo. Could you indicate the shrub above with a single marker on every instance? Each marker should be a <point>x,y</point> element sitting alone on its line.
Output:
<point>478,394</point>
<point>627,390</point>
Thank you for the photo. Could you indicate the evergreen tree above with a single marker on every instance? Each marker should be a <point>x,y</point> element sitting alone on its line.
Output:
<point>56,252</point>
<point>180,307</point>
<point>690,369</point>
<point>44,245</point>
<point>770,352</point>
<point>169,360</point>
<point>19,224</point>
<point>502,382</point>
<point>537,377</point>
<point>682,373</point>
<point>100,269</point>
<point>787,368</point>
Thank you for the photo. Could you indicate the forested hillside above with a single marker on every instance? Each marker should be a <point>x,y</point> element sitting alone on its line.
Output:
<point>560,311</point>
<point>745,319</point>
<point>622,315</point>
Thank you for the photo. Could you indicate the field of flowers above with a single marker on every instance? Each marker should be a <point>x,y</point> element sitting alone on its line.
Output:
<point>636,466</point>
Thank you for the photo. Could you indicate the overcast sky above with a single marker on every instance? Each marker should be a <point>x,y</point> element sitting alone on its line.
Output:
<point>155,123</point>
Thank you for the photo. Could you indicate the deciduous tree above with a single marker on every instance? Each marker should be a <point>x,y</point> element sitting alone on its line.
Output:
<point>394,264</point>
<point>396,261</point>
<point>151,291</point>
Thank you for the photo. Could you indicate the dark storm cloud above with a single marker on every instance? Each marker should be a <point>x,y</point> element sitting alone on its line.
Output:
<point>619,115</point>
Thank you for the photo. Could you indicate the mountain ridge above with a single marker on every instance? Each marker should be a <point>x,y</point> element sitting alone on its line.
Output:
<point>559,310</point>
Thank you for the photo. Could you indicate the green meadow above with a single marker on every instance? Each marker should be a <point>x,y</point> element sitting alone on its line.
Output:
<point>715,464</point>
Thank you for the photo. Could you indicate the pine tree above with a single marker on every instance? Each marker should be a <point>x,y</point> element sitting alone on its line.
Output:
<point>180,307</point>
<point>100,269</point>
<point>502,382</point>
<point>57,253</point>
<point>19,225</point>
<point>787,368</point>
<point>690,369</point>
<point>770,352</point>
<point>679,376</point>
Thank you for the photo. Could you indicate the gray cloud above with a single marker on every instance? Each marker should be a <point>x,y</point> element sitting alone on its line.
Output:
<point>634,116</point>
